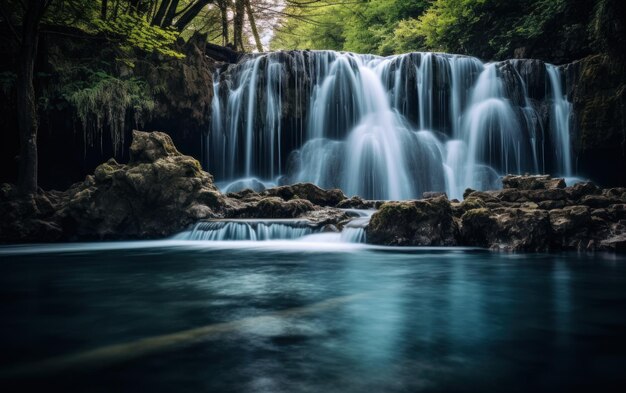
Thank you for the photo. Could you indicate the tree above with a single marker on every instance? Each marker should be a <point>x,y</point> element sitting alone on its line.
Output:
<point>252,23</point>
<point>26,100</point>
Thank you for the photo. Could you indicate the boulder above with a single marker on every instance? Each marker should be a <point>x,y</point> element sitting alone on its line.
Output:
<point>30,218</point>
<point>308,191</point>
<point>158,193</point>
<point>356,202</point>
<point>273,207</point>
<point>506,229</point>
<point>527,182</point>
<point>414,223</point>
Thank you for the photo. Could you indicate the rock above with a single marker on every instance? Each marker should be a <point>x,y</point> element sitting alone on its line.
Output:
<point>433,194</point>
<point>570,219</point>
<point>507,229</point>
<point>538,182</point>
<point>158,193</point>
<point>579,190</point>
<point>30,218</point>
<point>550,205</point>
<point>596,87</point>
<point>274,207</point>
<point>617,193</point>
<point>614,243</point>
<point>485,196</point>
<point>467,192</point>
<point>554,194</point>
<point>470,203</point>
<point>308,191</point>
<point>414,223</point>
<point>356,202</point>
<point>478,227</point>
<point>598,201</point>
<point>149,147</point>
<point>617,212</point>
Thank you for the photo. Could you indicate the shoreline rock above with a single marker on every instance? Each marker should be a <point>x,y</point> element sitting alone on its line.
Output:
<point>161,192</point>
<point>531,213</point>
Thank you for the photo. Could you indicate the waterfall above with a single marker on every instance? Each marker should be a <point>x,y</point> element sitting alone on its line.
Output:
<point>278,229</point>
<point>561,110</point>
<point>247,230</point>
<point>386,127</point>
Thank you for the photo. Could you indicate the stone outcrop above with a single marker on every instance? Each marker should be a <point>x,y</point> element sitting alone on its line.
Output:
<point>158,193</point>
<point>426,222</point>
<point>531,213</point>
<point>597,89</point>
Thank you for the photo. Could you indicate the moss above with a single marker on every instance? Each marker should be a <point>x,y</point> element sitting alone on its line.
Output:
<point>102,101</point>
<point>480,213</point>
<point>392,211</point>
<point>472,203</point>
<point>104,172</point>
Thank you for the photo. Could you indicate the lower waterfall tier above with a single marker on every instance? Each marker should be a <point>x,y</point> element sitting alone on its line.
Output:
<point>273,229</point>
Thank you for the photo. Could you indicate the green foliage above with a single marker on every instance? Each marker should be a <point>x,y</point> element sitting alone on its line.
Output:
<point>490,29</point>
<point>103,100</point>
<point>136,32</point>
<point>364,26</point>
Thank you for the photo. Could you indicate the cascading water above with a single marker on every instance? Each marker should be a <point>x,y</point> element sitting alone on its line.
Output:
<point>277,229</point>
<point>386,128</point>
<point>247,230</point>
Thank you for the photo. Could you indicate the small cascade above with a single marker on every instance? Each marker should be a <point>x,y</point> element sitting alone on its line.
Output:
<point>386,127</point>
<point>354,231</point>
<point>254,230</point>
<point>278,229</point>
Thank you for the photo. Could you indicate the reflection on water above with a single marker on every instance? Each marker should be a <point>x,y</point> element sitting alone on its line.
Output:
<point>171,316</point>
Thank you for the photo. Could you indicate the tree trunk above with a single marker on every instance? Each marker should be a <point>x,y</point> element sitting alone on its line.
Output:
<point>191,13</point>
<point>223,5</point>
<point>26,100</point>
<point>238,25</point>
<point>103,9</point>
<point>156,21</point>
<point>171,12</point>
<point>255,33</point>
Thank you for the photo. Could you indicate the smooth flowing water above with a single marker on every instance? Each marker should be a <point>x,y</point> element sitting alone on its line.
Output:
<point>386,127</point>
<point>296,316</point>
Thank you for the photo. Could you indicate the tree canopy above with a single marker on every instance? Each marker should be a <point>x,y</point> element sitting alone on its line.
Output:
<point>490,29</point>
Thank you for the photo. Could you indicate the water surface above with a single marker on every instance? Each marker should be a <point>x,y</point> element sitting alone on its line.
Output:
<point>289,317</point>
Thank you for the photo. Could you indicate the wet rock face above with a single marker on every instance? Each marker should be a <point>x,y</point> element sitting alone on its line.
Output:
<point>532,213</point>
<point>159,192</point>
<point>596,86</point>
<point>309,192</point>
<point>539,182</point>
<point>541,216</point>
<point>414,223</point>
<point>509,229</point>
<point>27,219</point>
